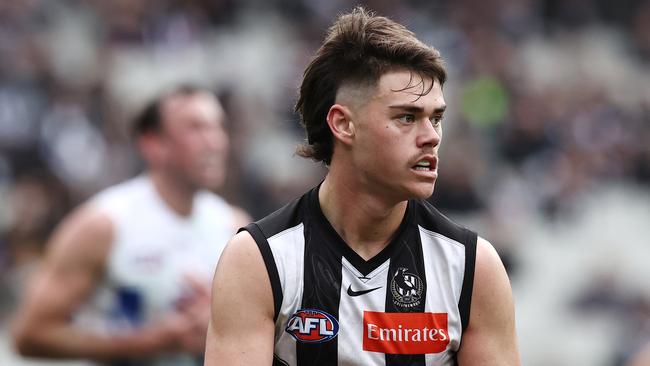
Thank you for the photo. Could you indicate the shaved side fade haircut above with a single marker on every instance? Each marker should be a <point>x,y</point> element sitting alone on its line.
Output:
<point>359,48</point>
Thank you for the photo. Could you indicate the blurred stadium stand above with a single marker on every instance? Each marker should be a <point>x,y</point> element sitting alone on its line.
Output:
<point>546,149</point>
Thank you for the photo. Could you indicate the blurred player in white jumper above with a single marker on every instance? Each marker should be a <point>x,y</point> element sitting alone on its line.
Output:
<point>125,280</point>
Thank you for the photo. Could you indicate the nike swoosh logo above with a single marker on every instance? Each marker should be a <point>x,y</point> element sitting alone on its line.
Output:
<point>362,292</point>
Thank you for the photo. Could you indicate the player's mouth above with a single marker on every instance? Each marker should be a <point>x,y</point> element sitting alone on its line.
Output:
<point>426,165</point>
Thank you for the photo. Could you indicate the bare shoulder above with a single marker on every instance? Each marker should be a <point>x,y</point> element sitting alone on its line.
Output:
<point>74,261</point>
<point>241,325</point>
<point>241,263</point>
<point>489,270</point>
<point>85,234</point>
<point>492,301</point>
<point>77,252</point>
<point>490,338</point>
<point>240,247</point>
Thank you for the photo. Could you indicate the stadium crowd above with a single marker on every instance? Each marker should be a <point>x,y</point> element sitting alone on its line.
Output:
<point>549,105</point>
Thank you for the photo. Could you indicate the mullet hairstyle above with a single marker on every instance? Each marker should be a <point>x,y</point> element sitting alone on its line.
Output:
<point>359,48</point>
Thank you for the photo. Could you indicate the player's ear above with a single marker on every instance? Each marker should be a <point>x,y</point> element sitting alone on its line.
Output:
<point>340,123</point>
<point>151,147</point>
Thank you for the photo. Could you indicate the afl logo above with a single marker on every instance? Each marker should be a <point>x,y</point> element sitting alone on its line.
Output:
<point>312,326</point>
<point>406,288</point>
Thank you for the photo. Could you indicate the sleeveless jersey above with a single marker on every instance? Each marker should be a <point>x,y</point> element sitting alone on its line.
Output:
<point>153,249</point>
<point>408,305</point>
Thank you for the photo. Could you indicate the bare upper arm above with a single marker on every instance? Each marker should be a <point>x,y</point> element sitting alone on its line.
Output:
<point>490,338</point>
<point>241,329</point>
<point>73,263</point>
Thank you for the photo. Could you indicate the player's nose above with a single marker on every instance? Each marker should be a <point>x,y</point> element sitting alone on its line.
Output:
<point>428,135</point>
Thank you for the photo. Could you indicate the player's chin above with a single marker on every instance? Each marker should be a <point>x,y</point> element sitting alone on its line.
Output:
<point>422,190</point>
<point>211,180</point>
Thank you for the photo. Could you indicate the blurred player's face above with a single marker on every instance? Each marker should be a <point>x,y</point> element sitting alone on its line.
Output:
<point>397,136</point>
<point>194,139</point>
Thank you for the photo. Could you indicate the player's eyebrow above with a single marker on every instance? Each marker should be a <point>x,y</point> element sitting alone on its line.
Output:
<point>416,109</point>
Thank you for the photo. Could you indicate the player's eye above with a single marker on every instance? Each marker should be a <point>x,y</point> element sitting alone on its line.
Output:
<point>436,120</point>
<point>407,118</point>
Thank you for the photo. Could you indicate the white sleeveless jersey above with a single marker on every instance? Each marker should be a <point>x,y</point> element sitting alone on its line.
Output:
<point>153,251</point>
<point>407,306</point>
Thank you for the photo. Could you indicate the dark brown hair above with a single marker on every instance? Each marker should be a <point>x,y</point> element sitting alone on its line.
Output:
<point>359,48</point>
<point>150,118</point>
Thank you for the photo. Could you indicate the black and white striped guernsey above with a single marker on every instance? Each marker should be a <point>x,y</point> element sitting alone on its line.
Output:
<point>408,305</point>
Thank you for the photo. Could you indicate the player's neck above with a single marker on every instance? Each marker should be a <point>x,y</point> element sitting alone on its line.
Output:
<point>177,196</point>
<point>365,222</point>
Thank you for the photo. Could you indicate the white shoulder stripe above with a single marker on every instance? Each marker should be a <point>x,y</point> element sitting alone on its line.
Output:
<point>440,236</point>
<point>288,248</point>
<point>444,264</point>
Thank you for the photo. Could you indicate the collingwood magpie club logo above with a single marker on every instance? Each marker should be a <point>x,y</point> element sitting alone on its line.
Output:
<point>406,288</point>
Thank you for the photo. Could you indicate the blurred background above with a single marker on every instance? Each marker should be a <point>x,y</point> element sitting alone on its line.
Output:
<point>546,150</point>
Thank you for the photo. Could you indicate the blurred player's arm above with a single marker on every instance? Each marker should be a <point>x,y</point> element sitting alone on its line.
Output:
<point>72,267</point>
<point>241,329</point>
<point>490,338</point>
